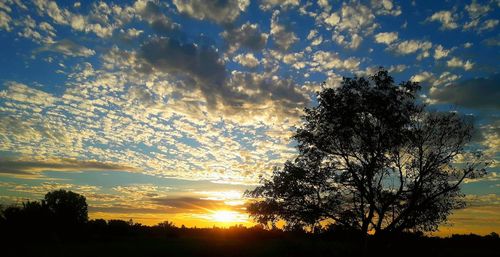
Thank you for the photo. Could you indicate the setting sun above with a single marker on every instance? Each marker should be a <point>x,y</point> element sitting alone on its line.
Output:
<point>228,216</point>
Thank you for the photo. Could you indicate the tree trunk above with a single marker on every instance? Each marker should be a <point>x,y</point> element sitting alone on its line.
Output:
<point>364,230</point>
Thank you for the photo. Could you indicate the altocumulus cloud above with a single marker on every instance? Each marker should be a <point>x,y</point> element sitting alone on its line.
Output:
<point>248,36</point>
<point>69,48</point>
<point>199,62</point>
<point>214,10</point>
<point>233,93</point>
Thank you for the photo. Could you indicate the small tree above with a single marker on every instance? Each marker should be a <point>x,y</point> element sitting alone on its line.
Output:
<point>370,158</point>
<point>66,207</point>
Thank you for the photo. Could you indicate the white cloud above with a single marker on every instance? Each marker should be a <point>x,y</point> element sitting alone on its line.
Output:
<point>133,32</point>
<point>397,68</point>
<point>386,37</point>
<point>468,45</point>
<point>410,46</point>
<point>471,24</point>
<point>488,24</point>
<point>69,48</point>
<point>220,12</point>
<point>295,60</point>
<point>282,35</point>
<point>355,18</point>
<point>356,40</point>
<point>333,19</point>
<point>476,13</point>
<point>446,18</point>
<point>247,60</point>
<point>440,52</point>
<point>476,10</point>
<point>421,77</point>
<point>248,36</point>
<point>458,63</point>
<point>47,28</point>
<point>386,7</point>
<point>270,4</point>
<point>315,38</point>
<point>101,20</point>
<point>5,20</point>
<point>349,24</point>
<point>445,79</point>
<point>324,61</point>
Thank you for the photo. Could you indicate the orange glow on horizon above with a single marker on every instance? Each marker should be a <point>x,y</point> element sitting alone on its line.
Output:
<point>225,216</point>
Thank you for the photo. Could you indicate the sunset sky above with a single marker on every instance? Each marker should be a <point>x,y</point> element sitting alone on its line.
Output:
<point>171,110</point>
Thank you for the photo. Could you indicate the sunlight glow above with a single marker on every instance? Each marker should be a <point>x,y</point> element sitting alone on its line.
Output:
<point>228,216</point>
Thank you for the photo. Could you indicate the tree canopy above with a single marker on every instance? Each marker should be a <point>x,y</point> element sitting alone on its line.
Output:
<point>371,157</point>
<point>60,209</point>
<point>66,206</point>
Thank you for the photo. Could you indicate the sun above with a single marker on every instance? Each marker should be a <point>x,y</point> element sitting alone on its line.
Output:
<point>226,216</point>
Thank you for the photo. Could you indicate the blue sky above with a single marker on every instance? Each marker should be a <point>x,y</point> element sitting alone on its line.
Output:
<point>144,106</point>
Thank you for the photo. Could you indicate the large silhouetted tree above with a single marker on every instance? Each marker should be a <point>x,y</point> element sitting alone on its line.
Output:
<point>371,158</point>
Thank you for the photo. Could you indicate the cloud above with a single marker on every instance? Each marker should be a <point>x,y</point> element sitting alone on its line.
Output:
<point>151,12</point>
<point>202,63</point>
<point>247,60</point>
<point>269,4</point>
<point>191,203</point>
<point>483,200</point>
<point>5,21</point>
<point>22,93</point>
<point>476,13</point>
<point>421,77</point>
<point>248,36</point>
<point>494,41</point>
<point>444,79</point>
<point>69,48</point>
<point>295,60</point>
<point>476,10</point>
<point>386,7</point>
<point>355,18</point>
<point>471,93</point>
<point>446,18</point>
<point>350,24</point>
<point>411,46</point>
<point>386,37</point>
<point>238,94</point>
<point>282,35</point>
<point>315,37</point>
<point>490,135</point>
<point>26,167</point>
<point>489,24</point>
<point>490,176</point>
<point>397,68</point>
<point>214,10</point>
<point>35,191</point>
<point>329,60</point>
<point>98,21</point>
<point>440,52</point>
<point>458,63</point>
<point>261,88</point>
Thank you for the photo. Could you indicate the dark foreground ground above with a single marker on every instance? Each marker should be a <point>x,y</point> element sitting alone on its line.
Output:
<point>234,244</point>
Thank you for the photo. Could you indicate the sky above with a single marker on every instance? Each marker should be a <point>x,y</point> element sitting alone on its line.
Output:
<point>159,110</point>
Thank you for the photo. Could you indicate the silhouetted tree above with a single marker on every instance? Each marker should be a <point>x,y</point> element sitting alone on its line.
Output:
<point>66,207</point>
<point>371,158</point>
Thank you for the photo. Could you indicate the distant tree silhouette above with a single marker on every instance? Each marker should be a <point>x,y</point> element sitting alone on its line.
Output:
<point>371,158</point>
<point>66,207</point>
